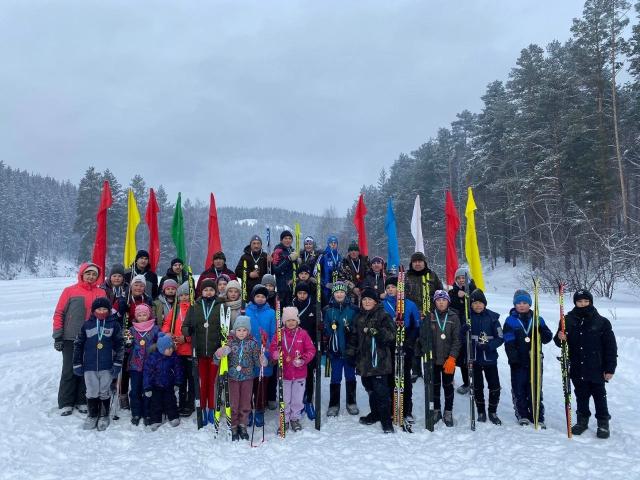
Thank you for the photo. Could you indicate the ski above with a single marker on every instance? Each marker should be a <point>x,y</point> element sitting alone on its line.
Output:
<point>398,391</point>
<point>535,356</point>
<point>222,383</point>
<point>319,332</point>
<point>196,374</point>
<point>281,405</point>
<point>564,362</point>
<point>263,346</point>
<point>471,350</point>
<point>427,358</point>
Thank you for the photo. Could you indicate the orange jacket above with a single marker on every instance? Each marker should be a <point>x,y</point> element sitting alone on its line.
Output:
<point>185,348</point>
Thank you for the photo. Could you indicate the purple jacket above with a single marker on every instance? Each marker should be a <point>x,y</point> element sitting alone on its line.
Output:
<point>296,343</point>
<point>161,371</point>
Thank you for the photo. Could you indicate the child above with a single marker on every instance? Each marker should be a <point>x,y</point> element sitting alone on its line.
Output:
<point>330,262</point>
<point>445,331</point>
<point>353,270</point>
<point>411,330</point>
<point>517,344</point>
<point>338,321</point>
<point>244,358</point>
<point>173,326</point>
<point>114,286</point>
<point>233,303</point>
<point>306,305</point>
<point>221,286</point>
<point>593,357</point>
<point>97,355</point>
<point>165,300</point>
<point>269,281</point>
<point>263,326</point>
<point>202,324</point>
<point>375,277</point>
<point>304,275</point>
<point>284,257</point>
<point>144,333</point>
<point>457,295</point>
<point>162,372</point>
<point>297,351</point>
<point>486,335</point>
<point>370,349</point>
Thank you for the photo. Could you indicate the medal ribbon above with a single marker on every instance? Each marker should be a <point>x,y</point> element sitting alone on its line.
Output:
<point>443,325</point>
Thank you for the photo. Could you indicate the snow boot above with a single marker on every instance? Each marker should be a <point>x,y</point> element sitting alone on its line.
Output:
<point>408,418</point>
<point>387,426</point>
<point>334,400</point>
<point>493,418</point>
<point>437,416</point>
<point>259,419</point>
<point>352,405</point>
<point>175,422</point>
<point>482,416</point>
<point>369,419</point>
<point>524,422</point>
<point>93,406</point>
<point>603,428</point>
<point>242,431</point>
<point>155,426</point>
<point>310,411</point>
<point>66,411</point>
<point>462,389</point>
<point>295,425</point>
<point>146,421</point>
<point>581,426</point>
<point>448,418</point>
<point>82,408</point>
<point>104,419</point>
<point>135,421</point>
<point>235,435</point>
<point>124,401</point>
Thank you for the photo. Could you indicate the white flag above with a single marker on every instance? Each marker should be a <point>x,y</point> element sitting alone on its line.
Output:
<point>416,226</point>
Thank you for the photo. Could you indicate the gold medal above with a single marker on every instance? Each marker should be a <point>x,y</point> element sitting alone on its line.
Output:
<point>527,339</point>
<point>99,346</point>
<point>334,326</point>
<point>443,336</point>
<point>142,342</point>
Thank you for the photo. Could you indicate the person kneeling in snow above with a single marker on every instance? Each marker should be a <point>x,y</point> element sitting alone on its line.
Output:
<point>97,355</point>
<point>161,374</point>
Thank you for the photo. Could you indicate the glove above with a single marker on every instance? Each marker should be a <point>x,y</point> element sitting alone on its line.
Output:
<point>78,370</point>
<point>293,256</point>
<point>263,360</point>
<point>148,393</point>
<point>298,362</point>
<point>115,371</point>
<point>449,366</point>
<point>223,351</point>
<point>58,344</point>
<point>370,331</point>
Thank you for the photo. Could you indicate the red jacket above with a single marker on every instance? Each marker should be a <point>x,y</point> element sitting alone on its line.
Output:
<point>185,348</point>
<point>295,343</point>
<point>74,306</point>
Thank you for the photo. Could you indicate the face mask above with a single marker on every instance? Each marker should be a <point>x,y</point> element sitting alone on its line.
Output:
<point>101,316</point>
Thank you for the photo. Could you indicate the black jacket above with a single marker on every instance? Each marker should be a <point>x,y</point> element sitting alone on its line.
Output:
<point>372,353</point>
<point>254,262</point>
<point>413,287</point>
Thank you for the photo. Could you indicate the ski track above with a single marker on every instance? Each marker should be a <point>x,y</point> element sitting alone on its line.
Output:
<point>36,443</point>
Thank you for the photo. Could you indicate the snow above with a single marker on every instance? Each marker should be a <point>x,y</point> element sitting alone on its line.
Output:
<point>35,442</point>
<point>248,222</point>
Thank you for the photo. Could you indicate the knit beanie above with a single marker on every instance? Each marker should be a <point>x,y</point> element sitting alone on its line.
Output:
<point>164,343</point>
<point>242,321</point>
<point>290,313</point>
<point>522,296</point>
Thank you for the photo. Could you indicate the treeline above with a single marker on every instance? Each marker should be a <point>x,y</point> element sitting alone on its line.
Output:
<point>553,157</point>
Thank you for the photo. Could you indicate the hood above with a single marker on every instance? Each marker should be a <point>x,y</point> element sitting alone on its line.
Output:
<point>82,269</point>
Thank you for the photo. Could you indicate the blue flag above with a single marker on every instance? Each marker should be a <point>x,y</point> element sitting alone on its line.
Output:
<point>393,250</point>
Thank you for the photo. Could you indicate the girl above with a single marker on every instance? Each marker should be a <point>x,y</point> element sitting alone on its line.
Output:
<point>297,351</point>
<point>232,304</point>
<point>306,305</point>
<point>165,300</point>
<point>221,286</point>
<point>144,333</point>
<point>445,332</point>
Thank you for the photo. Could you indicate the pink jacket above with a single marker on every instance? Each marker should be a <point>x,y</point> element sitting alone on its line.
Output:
<point>296,343</point>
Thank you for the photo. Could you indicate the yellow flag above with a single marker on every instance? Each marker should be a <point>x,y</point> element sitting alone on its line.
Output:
<point>471,242</point>
<point>297,234</point>
<point>133,219</point>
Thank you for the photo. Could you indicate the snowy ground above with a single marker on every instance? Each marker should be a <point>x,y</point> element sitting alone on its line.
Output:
<point>35,442</point>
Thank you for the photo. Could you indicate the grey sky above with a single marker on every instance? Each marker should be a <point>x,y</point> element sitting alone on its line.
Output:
<point>290,104</point>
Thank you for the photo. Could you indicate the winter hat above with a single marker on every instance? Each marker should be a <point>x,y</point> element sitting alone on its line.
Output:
<point>183,289</point>
<point>219,255</point>
<point>176,260</point>
<point>339,287</point>
<point>100,302</point>
<point>259,289</point>
<point>302,287</point>
<point>169,283</point>
<point>164,343</point>
<point>391,281</point>
<point>418,256</point>
<point>377,260</point>
<point>583,294</point>
<point>332,239</point>
<point>242,321</point>
<point>285,233</point>
<point>254,238</point>
<point>139,279</point>
<point>117,269</point>
<point>353,247</point>
<point>309,239</point>
<point>478,296</point>
<point>143,307</point>
<point>304,268</point>
<point>142,254</point>
<point>441,294</point>
<point>461,272</point>
<point>208,282</point>
<point>92,267</point>
<point>223,276</point>
<point>234,284</point>
<point>368,292</point>
<point>268,279</point>
<point>290,313</point>
<point>522,296</point>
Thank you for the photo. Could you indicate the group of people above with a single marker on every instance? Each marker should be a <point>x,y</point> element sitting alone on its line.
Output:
<point>141,337</point>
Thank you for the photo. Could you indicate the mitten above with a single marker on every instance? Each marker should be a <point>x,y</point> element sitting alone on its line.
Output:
<point>223,351</point>
<point>449,366</point>
<point>148,393</point>
<point>58,344</point>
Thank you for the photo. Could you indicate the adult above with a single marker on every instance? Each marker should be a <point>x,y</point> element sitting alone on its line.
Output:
<point>309,255</point>
<point>330,265</point>
<point>217,268</point>
<point>72,310</point>
<point>115,286</point>
<point>284,256</point>
<point>175,272</point>
<point>353,271</point>
<point>141,267</point>
<point>255,261</point>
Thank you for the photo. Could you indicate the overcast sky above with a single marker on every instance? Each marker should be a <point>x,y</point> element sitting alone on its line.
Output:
<point>292,104</point>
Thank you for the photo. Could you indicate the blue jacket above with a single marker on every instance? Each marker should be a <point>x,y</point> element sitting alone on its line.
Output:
<point>86,353</point>
<point>263,319</point>
<point>161,371</point>
<point>329,262</point>
<point>411,317</point>
<point>486,325</point>
<point>340,315</point>
<point>515,344</point>
<point>139,353</point>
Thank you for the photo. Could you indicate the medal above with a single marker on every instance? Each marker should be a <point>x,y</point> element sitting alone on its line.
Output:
<point>442,325</point>
<point>334,326</point>
<point>99,346</point>
<point>288,359</point>
<point>443,336</point>
<point>206,324</point>
<point>527,339</point>
<point>239,368</point>
<point>142,343</point>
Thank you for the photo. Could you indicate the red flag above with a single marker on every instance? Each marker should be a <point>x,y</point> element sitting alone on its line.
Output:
<point>151,217</point>
<point>453,225</point>
<point>358,221</point>
<point>214,245</point>
<point>100,246</point>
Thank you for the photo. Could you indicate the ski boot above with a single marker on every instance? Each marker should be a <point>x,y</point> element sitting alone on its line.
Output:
<point>135,421</point>
<point>524,422</point>
<point>242,431</point>
<point>66,411</point>
<point>104,419</point>
<point>91,421</point>
<point>493,418</point>
<point>235,434</point>
<point>437,416</point>
<point>387,426</point>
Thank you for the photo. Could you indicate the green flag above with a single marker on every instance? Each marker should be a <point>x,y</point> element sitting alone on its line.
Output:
<point>177,231</point>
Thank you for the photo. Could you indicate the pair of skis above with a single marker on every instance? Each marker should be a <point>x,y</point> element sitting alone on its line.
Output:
<point>222,381</point>
<point>398,387</point>
<point>427,358</point>
<point>471,351</point>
